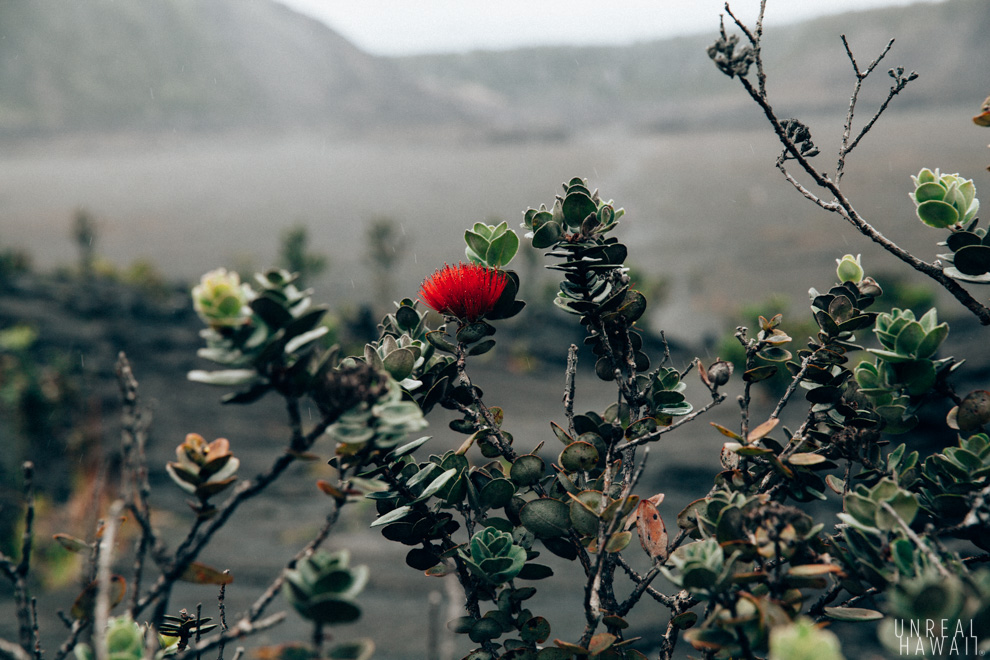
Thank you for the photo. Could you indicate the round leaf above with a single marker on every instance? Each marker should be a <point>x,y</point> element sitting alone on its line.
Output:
<point>938,214</point>
<point>546,517</point>
<point>527,469</point>
<point>974,411</point>
<point>497,493</point>
<point>579,457</point>
<point>535,630</point>
<point>577,206</point>
<point>547,235</point>
<point>960,239</point>
<point>973,259</point>
<point>927,191</point>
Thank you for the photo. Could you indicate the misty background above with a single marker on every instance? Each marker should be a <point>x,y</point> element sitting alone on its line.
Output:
<point>195,132</point>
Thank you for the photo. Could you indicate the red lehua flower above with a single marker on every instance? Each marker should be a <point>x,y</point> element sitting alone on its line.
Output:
<point>467,291</point>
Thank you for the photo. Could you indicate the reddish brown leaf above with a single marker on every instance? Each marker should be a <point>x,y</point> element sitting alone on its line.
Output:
<point>763,430</point>
<point>82,608</point>
<point>199,573</point>
<point>726,432</point>
<point>71,543</point>
<point>331,490</point>
<point>573,648</point>
<point>652,531</point>
<point>601,642</point>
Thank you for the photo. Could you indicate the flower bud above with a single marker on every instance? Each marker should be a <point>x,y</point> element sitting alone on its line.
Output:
<point>221,300</point>
<point>719,373</point>
<point>849,269</point>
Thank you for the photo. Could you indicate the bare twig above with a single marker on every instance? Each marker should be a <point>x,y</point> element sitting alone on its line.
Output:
<point>846,147</point>
<point>655,435</point>
<point>244,491</point>
<point>243,628</point>
<point>841,204</point>
<point>11,650</point>
<point>259,605</point>
<point>666,350</point>
<point>76,628</point>
<point>136,489</point>
<point>921,545</point>
<point>791,387</point>
<point>569,387</point>
<point>101,610</point>
<point>221,607</point>
<point>18,573</point>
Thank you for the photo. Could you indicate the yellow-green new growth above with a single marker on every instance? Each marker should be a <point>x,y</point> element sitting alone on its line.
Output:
<point>944,200</point>
<point>221,300</point>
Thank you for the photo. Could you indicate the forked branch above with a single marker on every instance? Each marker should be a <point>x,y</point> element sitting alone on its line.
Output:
<point>797,145</point>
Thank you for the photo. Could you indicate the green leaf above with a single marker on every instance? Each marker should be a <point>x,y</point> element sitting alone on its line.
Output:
<point>408,448</point>
<point>304,338</point>
<point>909,339</point>
<point>806,459</point>
<point>927,191</point>
<point>392,516</point>
<point>973,259</point>
<point>579,457</point>
<point>477,243</point>
<point>406,318</point>
<point>547,235</point>
<point>225,377</point>
<point>439,340</point>
<point>618,541</point>
<point>938,214</point>
<point>535,572</point>
<point>436,485</point>
<point>576,207</point>
<point>482,347</point>
<point>561,434</point>
<point>545,517</point>
<point>502,249</point>
<point>535,631</point>
<point>399,363</point>
<point>497,493</point>
<point>852,614</point>
<point>527,469</point>
<point>757,374</point>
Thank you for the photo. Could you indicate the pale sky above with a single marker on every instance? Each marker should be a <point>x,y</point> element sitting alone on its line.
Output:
<point>400,27</point>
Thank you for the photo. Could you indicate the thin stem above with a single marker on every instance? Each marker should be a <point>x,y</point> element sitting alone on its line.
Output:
<point>569,387</point>
<point>258,608</point>
<point>19,574</point>
<point>655,435</point>
<point>791,387</point>
<point>921,545</point>
<point>242,492</point>
<point>75,630</point>
<point>844,208</point>
<point>13,651</point>
<point>844,149</point>
<point>101,610</point>
<point>221,607</point>
<point>243,628</point>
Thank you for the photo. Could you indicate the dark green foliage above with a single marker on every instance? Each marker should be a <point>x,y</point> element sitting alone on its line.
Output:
<point>322,587</point>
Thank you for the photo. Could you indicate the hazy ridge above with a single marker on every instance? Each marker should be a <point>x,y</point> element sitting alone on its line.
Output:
<point>96,65</point>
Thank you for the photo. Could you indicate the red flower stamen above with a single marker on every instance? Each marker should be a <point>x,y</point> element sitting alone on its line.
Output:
<point>467,291</point>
